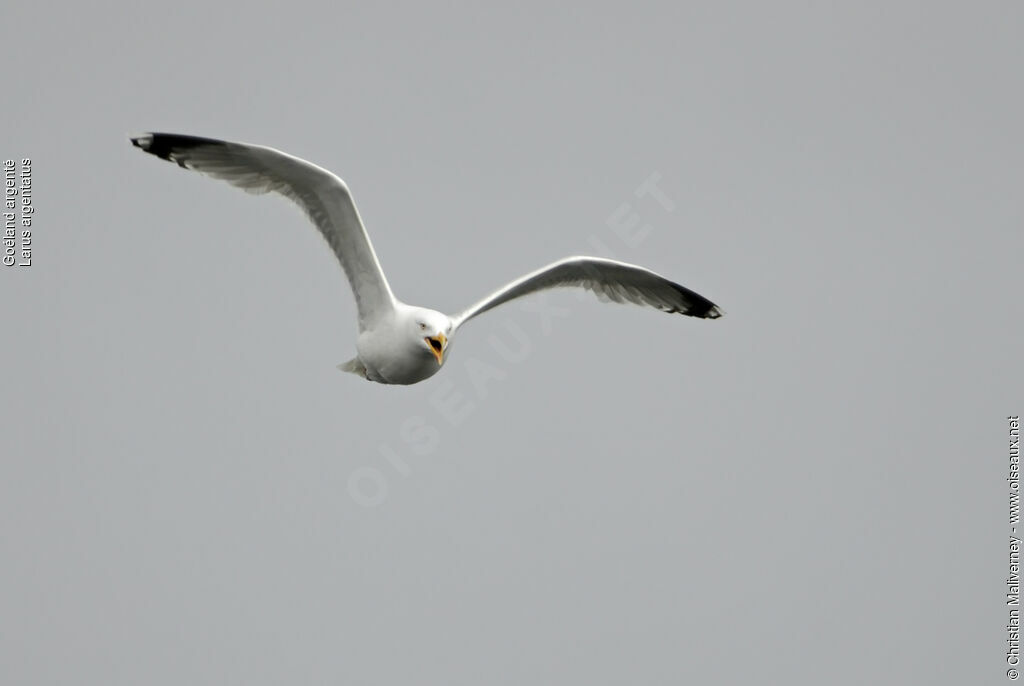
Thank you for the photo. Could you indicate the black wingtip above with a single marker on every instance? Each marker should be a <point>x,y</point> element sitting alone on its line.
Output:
<point>704,310</point>
<point>163,145</point>
<point>697,305</point>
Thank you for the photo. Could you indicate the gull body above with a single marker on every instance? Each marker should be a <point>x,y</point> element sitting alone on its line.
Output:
<point>405,347</point>
<point>400,343</point>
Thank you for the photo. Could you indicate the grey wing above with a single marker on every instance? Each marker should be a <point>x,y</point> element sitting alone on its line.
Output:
<point>610,280</point>
<point>321,194</point>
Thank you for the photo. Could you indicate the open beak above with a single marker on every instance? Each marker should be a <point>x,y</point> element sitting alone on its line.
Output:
<point>437,345</point>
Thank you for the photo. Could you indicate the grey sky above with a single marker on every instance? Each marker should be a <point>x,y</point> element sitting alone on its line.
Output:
<point>808,490</point>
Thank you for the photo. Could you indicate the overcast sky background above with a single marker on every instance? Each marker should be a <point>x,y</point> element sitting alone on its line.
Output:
<point>808,490</point>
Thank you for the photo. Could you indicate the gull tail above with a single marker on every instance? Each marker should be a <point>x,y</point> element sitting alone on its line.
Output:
<point>353,366</point>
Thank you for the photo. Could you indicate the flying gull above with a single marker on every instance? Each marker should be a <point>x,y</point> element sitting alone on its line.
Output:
<point>400,343</point>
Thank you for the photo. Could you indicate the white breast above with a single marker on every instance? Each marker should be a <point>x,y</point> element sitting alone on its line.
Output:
<point>392,356</point>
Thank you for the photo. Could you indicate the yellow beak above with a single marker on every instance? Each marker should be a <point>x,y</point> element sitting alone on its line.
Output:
<point>437,345</point>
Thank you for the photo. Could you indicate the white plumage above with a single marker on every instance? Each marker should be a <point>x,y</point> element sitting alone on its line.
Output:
<point>399,343</point>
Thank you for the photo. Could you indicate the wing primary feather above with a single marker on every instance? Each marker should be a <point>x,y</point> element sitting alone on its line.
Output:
<point>323,196</point>
<point>610,280</point>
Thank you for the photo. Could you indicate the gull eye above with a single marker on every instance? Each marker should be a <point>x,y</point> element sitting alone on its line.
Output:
<point>423,327</point>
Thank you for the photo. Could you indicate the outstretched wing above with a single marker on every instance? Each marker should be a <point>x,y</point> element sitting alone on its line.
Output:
<point>610,280</point>
<point>323,196</point>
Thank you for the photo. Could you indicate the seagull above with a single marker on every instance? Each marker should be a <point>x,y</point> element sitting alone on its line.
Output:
<point>400,343</point>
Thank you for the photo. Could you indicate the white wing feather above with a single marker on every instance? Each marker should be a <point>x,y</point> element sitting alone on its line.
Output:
<point>321,194</point>
<point>610,280</point>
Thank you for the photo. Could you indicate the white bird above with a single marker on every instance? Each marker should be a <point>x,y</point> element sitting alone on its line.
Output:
<point>400,343</point>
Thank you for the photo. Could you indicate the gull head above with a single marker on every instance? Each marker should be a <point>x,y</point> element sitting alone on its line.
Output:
<point>431,330</point>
